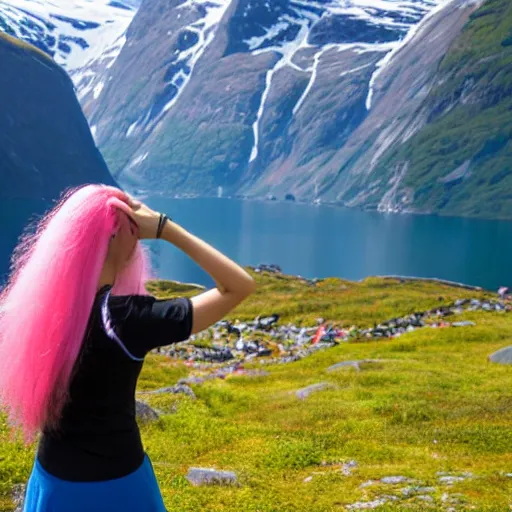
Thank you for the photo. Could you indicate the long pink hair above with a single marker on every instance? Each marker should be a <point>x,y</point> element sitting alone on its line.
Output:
<point>46,304</point>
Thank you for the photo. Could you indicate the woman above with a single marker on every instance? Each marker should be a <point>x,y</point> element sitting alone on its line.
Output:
<point>75,325</point>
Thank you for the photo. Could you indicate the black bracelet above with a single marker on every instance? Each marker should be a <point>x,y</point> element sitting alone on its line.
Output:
<point>161,224</point>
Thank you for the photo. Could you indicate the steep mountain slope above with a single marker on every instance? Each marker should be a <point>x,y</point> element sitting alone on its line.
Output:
<point>45,142</point>
<point>461,161</point>
<point>381,104</point>
<point>356,174</point>
<point>219,92</point>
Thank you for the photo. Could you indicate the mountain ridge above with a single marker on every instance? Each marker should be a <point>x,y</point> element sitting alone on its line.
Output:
<point>74,32</point>
<point>331,102</point>
<point>46,144</point>
<point>263,54</point>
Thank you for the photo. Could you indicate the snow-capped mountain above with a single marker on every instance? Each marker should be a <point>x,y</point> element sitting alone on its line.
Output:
<point>260,69</point>
<point>286,28</point>
<point>73,32</point>
<point>353,102</point>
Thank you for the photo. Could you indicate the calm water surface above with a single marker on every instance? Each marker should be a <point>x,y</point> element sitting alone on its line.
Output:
<point>323,241</point>
<point>316,241</point>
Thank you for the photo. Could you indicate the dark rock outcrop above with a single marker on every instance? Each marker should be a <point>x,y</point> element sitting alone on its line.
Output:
<point>144,412</point>
<point>45,142</point>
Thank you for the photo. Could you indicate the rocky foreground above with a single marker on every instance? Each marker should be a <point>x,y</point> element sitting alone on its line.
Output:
<point>379,419</point>
<point>224,348</point>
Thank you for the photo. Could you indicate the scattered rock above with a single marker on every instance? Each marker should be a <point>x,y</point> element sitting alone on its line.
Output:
<point>305,392</point>
<point>411,490</point>
<point>308,479</point>
<point>448,479</point>
<point>367,505</point>
<point>407,491</point>
<point>178,388</point>
<point>252,373</point>
<point>348,467</point>
<point>18,496</point>
<point>354,364</point>
<point>503,356</point>
<point>425,489</point>
<point>344,364</point>
<point>463,324</point>
<point>367,484</point>
<point>235,342</point>
<point>271,343</point>
<point>201,476</point>
<point>272,268</point>
<point>144,412</point>
<point>394,480</point>
<point>424,497</point>
<point>453,499</point>
<point>221,373</point>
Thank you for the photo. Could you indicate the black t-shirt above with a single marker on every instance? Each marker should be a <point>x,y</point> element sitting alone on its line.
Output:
<point>98,437</point>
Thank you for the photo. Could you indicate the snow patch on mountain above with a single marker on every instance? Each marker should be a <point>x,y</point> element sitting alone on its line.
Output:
<point>73,32</point>
<point>360,25</point>
<point>193,41</point>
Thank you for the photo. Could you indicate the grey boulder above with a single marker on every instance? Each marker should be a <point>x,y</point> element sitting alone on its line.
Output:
<point>305,392</point>
<point>503,356</point>
<point>201,476</point>
<point>178,388</point>
<point>144,412</point>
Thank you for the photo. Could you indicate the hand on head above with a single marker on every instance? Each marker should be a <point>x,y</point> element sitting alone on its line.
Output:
<point>145,218</point>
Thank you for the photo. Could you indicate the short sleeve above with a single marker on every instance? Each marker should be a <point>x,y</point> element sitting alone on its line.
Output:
<point>144,322</point>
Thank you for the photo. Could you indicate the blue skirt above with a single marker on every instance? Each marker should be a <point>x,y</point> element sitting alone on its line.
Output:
<point>136,492</point>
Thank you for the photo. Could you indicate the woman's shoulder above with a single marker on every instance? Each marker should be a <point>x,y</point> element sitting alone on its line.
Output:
<point>149,321</point>
<point>122,306</point>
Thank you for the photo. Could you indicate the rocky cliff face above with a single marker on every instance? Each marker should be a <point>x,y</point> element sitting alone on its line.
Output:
<point>395,106</point>
<point>45,141</point>
<point>459,157</point>
<point>361,172</point>
<point>236,94</point>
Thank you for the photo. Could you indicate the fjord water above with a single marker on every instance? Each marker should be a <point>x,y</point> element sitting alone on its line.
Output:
<point>320,241</point>
<point>317,241</point>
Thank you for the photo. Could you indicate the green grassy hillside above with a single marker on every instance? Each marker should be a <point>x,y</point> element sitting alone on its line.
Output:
<point>432,404</point>
<point>469,126</point>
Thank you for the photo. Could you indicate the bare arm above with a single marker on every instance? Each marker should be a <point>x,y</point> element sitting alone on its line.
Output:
<point>234,284</point>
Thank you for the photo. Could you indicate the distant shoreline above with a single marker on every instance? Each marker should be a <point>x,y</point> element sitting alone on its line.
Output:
<point>433,280</point>
<point>462,280</point>
<point>438,281</point>
<point>329,204</point>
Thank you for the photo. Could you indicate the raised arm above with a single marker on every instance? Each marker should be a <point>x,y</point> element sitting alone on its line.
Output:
<point>234,284</point>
